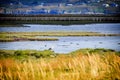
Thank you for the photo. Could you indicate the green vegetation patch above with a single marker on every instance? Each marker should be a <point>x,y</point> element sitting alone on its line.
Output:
<point>51,54</point>
<point>100,51</point>
<point>26,53</point>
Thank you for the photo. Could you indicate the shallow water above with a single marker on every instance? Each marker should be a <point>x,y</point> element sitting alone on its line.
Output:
<point>102,28</point>
<point>65,44</point>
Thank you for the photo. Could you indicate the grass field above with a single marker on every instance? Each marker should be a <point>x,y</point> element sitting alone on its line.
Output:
<point>84,64</point>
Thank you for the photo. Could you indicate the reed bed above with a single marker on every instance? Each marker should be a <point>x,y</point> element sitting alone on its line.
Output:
<point>58,33</point>
<point>63,67</point>
<point>32,36</point>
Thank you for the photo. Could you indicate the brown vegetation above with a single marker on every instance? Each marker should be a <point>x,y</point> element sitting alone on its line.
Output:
<point>63,67</point>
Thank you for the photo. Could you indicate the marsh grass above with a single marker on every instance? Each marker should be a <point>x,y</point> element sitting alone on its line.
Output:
<point>21,36</point>
<point>32,36</point>
<point>63,67</point>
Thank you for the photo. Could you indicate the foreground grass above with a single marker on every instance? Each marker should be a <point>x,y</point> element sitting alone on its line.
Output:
<point>86,64</point>
<point>31,36</point>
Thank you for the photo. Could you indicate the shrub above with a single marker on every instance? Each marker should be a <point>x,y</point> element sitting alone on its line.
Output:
<point>18,53</point>
<point>45,53</point>
<point>37,54</point>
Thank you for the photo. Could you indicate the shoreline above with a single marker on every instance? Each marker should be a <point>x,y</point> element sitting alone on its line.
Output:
<point>45,22</point>
<point>13,25</point>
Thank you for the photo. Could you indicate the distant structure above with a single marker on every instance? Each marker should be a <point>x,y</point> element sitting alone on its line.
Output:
<point>61,7</point>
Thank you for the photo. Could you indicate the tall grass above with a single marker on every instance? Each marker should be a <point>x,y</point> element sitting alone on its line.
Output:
<point>63,67</point>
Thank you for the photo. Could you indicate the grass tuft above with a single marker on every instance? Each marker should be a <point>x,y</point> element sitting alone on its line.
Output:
<point>79,66</point>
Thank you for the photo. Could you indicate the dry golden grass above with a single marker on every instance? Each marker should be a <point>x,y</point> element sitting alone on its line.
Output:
<point>63,67</point>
